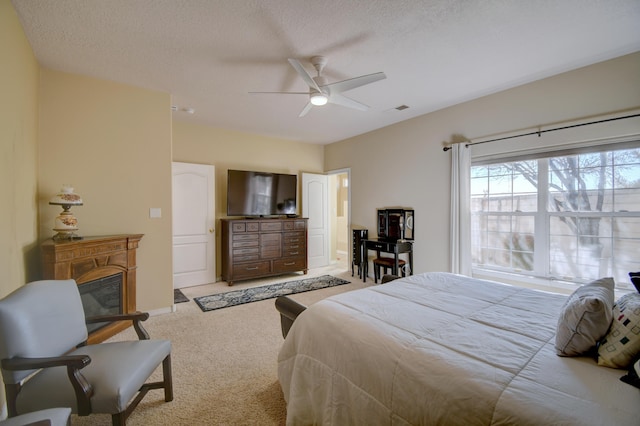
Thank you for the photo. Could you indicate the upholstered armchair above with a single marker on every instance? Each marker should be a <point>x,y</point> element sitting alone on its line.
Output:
<point>46,363</point>
<point>48,417</point>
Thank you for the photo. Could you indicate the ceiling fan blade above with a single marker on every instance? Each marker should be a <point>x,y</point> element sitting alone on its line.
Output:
<point>352,83</point>
<point>339,99</point>
<point>306,109</point>
<point>304,74</point>
<point>279,93</point>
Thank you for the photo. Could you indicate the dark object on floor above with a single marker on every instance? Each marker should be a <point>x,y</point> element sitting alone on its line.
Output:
<point>178,296</point>
<point>388,277</point>
<point>635,279</point>
<point>255,294</point>
<point>289,310</point>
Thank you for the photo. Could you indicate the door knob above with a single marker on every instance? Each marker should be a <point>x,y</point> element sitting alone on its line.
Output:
<point>211,230</point>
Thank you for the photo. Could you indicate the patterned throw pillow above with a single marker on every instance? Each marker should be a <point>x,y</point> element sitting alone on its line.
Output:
<point>585,318</point>
<point>621,345</point>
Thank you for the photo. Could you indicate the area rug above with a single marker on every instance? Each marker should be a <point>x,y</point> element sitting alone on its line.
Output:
<point>178,296</point>
<point>254,294</point>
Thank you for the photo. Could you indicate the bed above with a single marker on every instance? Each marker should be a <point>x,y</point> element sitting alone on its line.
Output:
<point>444,349</point>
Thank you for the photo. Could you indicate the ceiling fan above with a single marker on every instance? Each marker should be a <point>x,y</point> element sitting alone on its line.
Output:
<point>322,92</point>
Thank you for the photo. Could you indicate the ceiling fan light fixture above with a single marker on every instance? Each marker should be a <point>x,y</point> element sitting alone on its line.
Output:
<point>318,99</point>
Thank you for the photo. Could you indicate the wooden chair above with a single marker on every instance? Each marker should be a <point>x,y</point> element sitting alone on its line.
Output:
<point>386,263</point>
<point>46,363</point>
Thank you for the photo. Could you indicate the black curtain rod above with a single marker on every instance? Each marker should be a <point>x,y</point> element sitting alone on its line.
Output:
<point>540,132</point>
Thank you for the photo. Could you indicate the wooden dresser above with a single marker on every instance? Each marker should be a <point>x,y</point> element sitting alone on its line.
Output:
<point>256,248</point>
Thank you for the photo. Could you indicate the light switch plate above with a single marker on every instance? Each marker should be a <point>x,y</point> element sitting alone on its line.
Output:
<point>155,212</point>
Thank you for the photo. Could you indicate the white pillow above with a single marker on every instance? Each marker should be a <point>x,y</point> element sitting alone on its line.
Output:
<point>621,345</point>
<point>585,318</point>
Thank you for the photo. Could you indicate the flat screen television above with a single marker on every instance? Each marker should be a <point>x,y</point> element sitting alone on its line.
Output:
<point>251,193</point>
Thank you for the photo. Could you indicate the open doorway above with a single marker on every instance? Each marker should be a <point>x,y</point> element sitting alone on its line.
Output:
<point>339,217</point>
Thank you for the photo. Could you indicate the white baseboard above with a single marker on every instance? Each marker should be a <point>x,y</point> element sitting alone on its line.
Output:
<point>163,311</point>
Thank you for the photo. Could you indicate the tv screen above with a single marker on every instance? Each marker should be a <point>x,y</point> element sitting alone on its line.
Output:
<point>261,194</point>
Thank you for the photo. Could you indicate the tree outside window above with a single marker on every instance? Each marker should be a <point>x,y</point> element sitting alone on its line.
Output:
<point>574,217</point>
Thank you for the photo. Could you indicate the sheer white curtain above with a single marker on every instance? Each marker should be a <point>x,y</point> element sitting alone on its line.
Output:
<point>460,209</point>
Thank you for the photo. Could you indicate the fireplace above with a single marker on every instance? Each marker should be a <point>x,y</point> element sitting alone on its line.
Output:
<point>101,297</point>
<point>104,269</point>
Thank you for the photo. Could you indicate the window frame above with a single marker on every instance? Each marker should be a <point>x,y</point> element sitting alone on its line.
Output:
<point>541,273</point>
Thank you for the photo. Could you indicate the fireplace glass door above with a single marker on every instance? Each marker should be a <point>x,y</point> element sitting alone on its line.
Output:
<point>101,297</point>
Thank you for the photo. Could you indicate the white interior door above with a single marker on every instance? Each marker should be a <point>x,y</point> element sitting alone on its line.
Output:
<point>315,208</point>
<point>193,204</point>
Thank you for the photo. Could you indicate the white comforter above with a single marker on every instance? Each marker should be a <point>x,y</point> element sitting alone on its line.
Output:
<point>443,349</point>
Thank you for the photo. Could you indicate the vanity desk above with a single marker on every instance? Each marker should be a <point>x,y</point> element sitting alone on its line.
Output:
<point>395,227</point>
<point>395,247</point>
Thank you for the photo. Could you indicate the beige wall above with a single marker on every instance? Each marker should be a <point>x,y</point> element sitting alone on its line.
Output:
<point>19,248</point>
<point>404,165</point>
<point>19,254</point>
<point>225,149</point>
<point>112,142</point>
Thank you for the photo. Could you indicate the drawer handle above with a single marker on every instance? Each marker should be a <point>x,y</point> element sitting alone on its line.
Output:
<point>293,252</point>
<point>251,269</point>
<point>290,263</point>
<point>294,247</point>
<point>294,240</point>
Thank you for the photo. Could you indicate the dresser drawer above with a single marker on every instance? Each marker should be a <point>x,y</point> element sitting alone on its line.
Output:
<point>243,251</point>
<point>248,243</point>
<point>293,236</point>
<point>246,257</point>
<point>276,225</point>
<point>270,246</point>
<point>245,237</point>
<point>270,239</point>
<point>294,252</point>
<point>270,252</point>
<point>240,240</point>
<point>250,269</point>
<point>294,248</point>
<point>286,265</point>
<point>295,224</point>
<point>238,227</point>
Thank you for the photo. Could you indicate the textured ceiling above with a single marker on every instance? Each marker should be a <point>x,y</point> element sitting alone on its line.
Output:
<point>209,54</point>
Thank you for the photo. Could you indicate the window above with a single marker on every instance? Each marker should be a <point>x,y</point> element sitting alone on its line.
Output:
<point>574,217</point>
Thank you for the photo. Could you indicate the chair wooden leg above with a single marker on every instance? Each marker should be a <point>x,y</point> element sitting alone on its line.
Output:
<point>167,378</point>
<point>119,419</point>
<point>11,395</point>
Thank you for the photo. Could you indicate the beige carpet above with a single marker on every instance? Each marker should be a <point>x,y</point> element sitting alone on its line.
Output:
<point>224,361</point>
